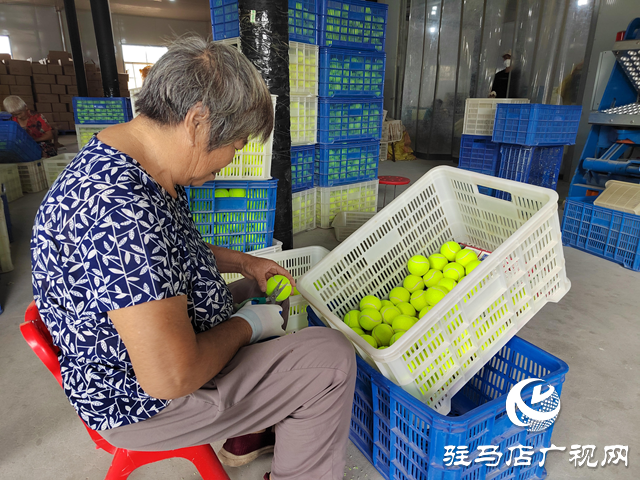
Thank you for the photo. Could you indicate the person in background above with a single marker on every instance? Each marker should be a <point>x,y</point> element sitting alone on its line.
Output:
<point>503,86</point>
<point>145,71</point>
<point>34,123</point>
<point>571,85</point>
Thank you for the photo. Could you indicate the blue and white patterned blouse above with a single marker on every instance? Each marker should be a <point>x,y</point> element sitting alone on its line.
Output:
<point>107,236</point>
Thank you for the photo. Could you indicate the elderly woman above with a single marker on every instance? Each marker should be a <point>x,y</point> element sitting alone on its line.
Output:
<point>152,353</point>
<point>34,123</point>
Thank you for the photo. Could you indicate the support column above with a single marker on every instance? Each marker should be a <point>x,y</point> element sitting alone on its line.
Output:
<point>76,46</point>
<point>264,35</point>
<point>101,14</point>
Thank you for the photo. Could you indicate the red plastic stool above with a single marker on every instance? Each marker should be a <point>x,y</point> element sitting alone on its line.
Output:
<point>392,180</point>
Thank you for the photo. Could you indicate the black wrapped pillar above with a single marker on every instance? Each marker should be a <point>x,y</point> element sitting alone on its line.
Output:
<point>76,46</point>
<point>101,14</point>
<point>264,36</point>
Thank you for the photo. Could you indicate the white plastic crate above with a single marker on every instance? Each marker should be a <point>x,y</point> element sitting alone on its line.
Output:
<point>303,205</point>
<point>303,68</point>
<point>620,196</point>
<point>54,166</point>
<point>132,96</point>
<point>392,131</point>
<point>10,177</point>
<point>452,342</point>
<point>356,197</point>
<point>384,151</point>
<point>480,114</point>
<point>32,176</point>
<point>85,132</point>
<point>232,42</point>
<point>304,119</point>
<point>5,249</point>
<point>346,223</point>
<point>276,247</point>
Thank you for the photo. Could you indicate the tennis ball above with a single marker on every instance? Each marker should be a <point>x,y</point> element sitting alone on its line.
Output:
<point>370,302</point>
<point>419,300</point>
<point>399,295</point>
<point>358,330</point>
<point>273,282</point>
<point>402,323</point>
<point>432,277</point>
<point>424,311</point>
<point>418,265</point>
<point>435,294</point>
<point>438,261</point>
<point>389,313</point>
<point>221,193</point>
<point>465,257</point>
<point>407,309</point>
<point>413,283</point>
<point>454,271</point>
<point>370,340</point>
<point>396,336</point>
<point>471,266</point>
<point>382,348</point>
<point>295,291</point>
<point>449,250</point>
<point>237,192</point>
<point>370,318</point>
<point>447,283</point>
<point>352,318</point>
<point>385,303</point>
<point>382,333</point>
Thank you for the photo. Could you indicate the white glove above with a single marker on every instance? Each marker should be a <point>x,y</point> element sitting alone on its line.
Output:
<point>265,320</point>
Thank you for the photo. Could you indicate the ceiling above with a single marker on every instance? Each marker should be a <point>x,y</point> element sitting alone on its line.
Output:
<point>196,10</point>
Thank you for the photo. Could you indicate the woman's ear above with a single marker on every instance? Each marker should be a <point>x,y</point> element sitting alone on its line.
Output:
<point>195,122</point>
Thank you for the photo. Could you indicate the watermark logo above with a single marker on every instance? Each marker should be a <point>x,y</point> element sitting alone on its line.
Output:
<point>544,409</point>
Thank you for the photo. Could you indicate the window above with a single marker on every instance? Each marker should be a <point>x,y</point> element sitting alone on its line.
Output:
<point>136,57</point>
<point>5,44</point>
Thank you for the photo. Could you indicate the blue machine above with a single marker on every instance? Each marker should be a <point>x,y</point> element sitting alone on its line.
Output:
<point>615,128</point>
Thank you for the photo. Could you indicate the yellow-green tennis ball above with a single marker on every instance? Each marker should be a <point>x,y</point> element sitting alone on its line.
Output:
<point>407,309</point>
<point>395,337</point>
<point>399,295</point>
<point>385,303</point>
<point>389,313</point>
<point>273,282</point>
<point>438,261</point>
<point>449,250</point>
<point>413,283</point>
<point>465,257</point>
<point>419,300</point>
<point>435,294</point>
<point>418,265</point>
<point>295,291</point>
<point>447,283</point>
<point>237,192</point>
<point>382,347</point>
<point>358,330</point>
<point>351,318</point>
<point>370,340</point>
<point>424,311</point>
<point>472,266</point>
<point>382,333</point>
<point>221,193</point>
<point>370,302</point>
<point>403,323</point>
<point>370,319</point>
<point>454,271</point>
<point>432,277</point>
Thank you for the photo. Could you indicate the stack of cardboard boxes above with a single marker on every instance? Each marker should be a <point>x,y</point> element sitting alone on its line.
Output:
<point>94,81</point>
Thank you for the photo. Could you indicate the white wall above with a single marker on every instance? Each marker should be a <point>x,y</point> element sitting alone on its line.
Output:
<point>33,30</point>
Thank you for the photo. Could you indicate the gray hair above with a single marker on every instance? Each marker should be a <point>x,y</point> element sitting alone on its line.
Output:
<point>194,70</point>
<point>14,104</point>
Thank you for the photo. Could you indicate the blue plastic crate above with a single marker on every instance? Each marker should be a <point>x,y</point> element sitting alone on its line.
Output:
<point>534,124</point>
<point>16,146</point>
<point>351,73</point>
<point>225,21</point>
<point>302,160</point>
<point>604,232</point>
<point>346,119</point>
<point>406,432</point>
<point>102,110</point>
<point>239,223</point>
<point>479,154</point>
<point>352,24</point>
<point>346,162</point>
<point>303,21</point>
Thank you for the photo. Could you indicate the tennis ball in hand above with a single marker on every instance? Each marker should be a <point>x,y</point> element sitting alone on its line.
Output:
<point>395,337</point>
<point>382,334</point>
<point>221,193</point>
<point>424,311</point>
<point>435,294</point>
<point>418,265</point>
<point>438,261</point>
<point>237,192</point>
<point>370,302</point>
<point>472,266</point>
<point>432,277</point>
<point>352,318</point>
<point>419,300</point>
<point>370,319</point>
<point>273,282</point>
<point>370,340</point>
<point>402,323</point>
<point>413,283</point>
<point>465,257</point>
<point>449,250</point>
<point>447,283</point>
<point>389,313</point>
<point>399,295</point>
<point>406,309</point>
<point>454,271</point>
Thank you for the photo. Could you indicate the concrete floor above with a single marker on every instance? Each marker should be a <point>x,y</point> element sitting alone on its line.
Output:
<point>594,329</point>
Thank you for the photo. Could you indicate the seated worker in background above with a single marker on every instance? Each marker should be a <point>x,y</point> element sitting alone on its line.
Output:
<point>34,123</point>
<point>506,79</point>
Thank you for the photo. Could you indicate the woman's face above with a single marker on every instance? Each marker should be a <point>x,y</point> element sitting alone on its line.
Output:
<point>209,164</point>
<point>22,115</point>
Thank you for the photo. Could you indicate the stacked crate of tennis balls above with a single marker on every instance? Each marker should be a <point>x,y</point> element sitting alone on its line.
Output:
<point>352,64</point>
<point>428,281</point>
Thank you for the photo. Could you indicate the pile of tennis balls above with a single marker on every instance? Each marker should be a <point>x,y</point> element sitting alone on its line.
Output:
<point>382,322</point>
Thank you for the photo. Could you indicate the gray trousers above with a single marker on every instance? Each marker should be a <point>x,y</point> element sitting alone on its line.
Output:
<point>301,383</point>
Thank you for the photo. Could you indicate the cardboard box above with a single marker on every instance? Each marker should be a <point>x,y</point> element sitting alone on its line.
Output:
<point>7,79</point>
<point>42,88</point>
<point>54,69</point>
<point>3,69</point>
<point>47,98</point>
<point>59,89</point>
<point>66,116</point>
<point>31,107</point>
<point>39,69</point>
<point>28,99</point>
<point>23,80</point>
<point>55,116</point>
<point>19,67</point>
<point>69,70</point>
<point>91,67</point>
<point>43,107</point>
<point>63,80</point>
<point>49,79</point>
<point>5,90</point>
<point>123,77</point>
<point>59,107</point>
<point>72,90</point>
<point>94,77</point>
<point>68,99</point>
<point>74,81</point>
<point>5,57</point>
<point>20,90</point>
<point>63,125</point>
<point>59,58</point>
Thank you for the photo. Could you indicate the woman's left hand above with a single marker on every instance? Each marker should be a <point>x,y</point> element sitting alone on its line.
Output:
<point>262,269</point>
